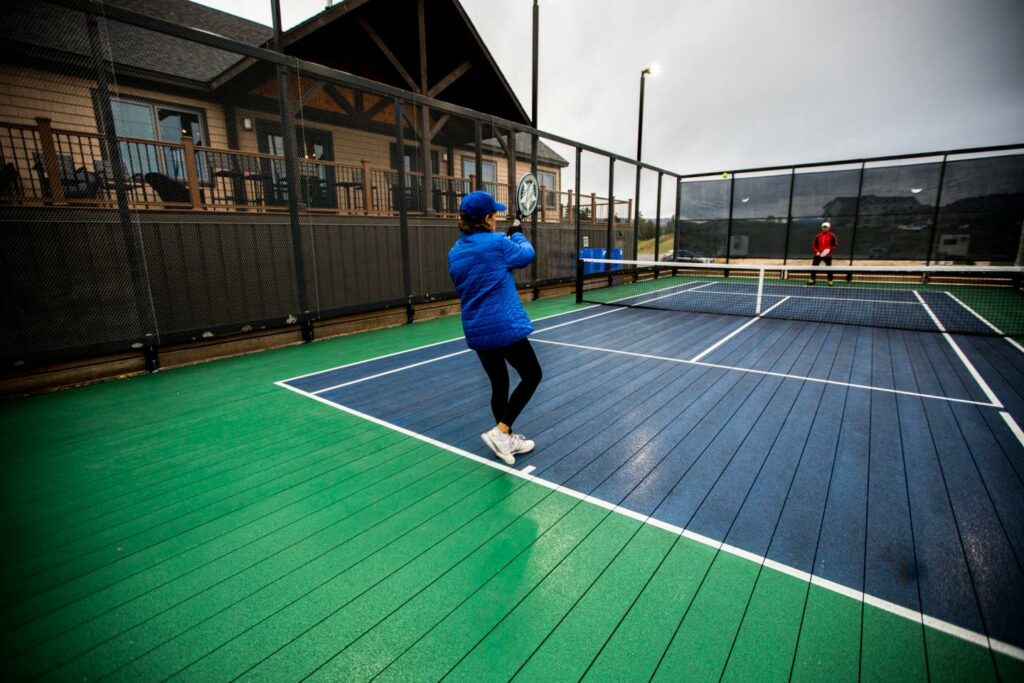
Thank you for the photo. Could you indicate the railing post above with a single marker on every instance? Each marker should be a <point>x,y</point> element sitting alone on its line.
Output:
<point>569,208</point>
<point>50,164</point>
<point>366,187</point>
<point>543,203</point>
<point>188,148</point>
<point>593,208</point>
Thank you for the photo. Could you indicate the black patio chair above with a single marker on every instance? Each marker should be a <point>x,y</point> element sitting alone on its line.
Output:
<point>78,183</point>
<point>168,189</point>
<point>10,181</point>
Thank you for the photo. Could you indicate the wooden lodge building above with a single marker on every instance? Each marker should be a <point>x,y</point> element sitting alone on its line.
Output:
<point>144,180</point>
<point>169,99</point>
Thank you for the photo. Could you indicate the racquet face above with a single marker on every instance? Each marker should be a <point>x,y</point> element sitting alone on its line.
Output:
<point>527,196</point>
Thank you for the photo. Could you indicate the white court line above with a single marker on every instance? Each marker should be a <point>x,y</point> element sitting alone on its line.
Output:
<point>732,334</point>
<point>1014,427</point>
<point>529,468</point>
<point>963,357</point>
<point>664,296</point>
<point>984,320</point>
<point>537,320</point>
<point>391,372</point>
<point>527,474</point>
<point>774,374</point>
<point>425,346</point>
<point>456,353</point>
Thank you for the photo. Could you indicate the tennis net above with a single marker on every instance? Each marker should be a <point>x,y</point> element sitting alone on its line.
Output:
<point>962,299</point>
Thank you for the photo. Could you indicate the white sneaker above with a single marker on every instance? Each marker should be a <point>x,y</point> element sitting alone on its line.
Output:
<point>520,444</point>
<point>501,444</point>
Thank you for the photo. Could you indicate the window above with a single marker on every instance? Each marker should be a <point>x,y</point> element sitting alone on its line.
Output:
<point>489,177</point>
<point>166,123</point>
<point>316,182</point>
<point>411,159</point>
<point>547,181</point>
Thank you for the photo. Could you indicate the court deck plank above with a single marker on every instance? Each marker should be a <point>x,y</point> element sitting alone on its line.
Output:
<point>207,524</point>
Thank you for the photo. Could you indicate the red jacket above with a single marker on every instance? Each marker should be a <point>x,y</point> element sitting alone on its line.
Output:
<point>819,242</point>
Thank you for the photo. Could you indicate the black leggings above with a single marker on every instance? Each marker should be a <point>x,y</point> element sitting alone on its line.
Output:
<point>827,261</point>
<point>521,357</point>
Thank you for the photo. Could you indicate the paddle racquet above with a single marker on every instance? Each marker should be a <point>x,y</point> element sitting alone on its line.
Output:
<point>527,196</point>
<point>825,252</point>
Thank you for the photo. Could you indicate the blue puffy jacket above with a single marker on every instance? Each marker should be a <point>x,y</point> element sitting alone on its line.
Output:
<point>481,265</point>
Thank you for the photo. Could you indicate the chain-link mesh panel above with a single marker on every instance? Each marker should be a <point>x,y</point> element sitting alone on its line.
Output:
<point>157,190</point>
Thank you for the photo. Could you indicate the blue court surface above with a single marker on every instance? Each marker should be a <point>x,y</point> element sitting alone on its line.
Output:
<point>886,465</point>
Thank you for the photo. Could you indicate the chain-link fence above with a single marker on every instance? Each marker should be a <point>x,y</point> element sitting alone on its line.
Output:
<point>160,185</point>
<point>963,208</point>
<point>167,177</point>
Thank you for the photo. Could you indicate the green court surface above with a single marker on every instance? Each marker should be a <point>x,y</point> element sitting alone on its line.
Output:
<point>205,524</point>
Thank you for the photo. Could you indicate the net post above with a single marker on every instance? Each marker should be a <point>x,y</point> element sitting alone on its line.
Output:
<point>760,291</point>
<point>579,281</point>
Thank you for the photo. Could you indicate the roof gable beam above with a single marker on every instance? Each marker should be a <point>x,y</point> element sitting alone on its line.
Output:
<point>307,96</point>
<point>375,37</point>
<point>333,93</point>
<point>450,78</point>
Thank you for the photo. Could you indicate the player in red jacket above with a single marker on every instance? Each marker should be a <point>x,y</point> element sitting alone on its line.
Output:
<point>823,245</point>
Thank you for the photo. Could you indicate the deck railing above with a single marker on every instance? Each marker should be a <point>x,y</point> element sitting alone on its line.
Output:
<point>42,165</point>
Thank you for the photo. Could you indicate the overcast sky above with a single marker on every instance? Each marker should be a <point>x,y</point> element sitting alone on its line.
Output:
<point>748,83</point>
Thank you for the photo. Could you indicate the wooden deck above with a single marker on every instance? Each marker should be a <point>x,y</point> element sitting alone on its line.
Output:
<point>208,524</point>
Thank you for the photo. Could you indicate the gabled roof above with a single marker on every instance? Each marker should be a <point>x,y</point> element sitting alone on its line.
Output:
<point>34,26</point>
<point>42,30</point>
<point>545,154</point>
<point>451,41</point>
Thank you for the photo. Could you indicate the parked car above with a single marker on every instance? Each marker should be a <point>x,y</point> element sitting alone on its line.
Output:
<point>686,256</point>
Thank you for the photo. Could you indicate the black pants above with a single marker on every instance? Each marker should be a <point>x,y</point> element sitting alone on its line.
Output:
<point>827,260</point>
<point>521,357</point>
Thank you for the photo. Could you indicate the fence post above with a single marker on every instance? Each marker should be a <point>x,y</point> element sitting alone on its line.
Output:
<point>593,208</point>
<point>543,202</point>
<point>728,229</point>
<point>579,280</point>
<point>188,149</point>
<point>657,227</point>
<point>610,237</point>
<point>403,216</point>
<point>366,187</point>
<point>856,217</point>
<point>569,207</point>
<point>292,182</point>
<point>578,232</point>
<point>789,219</point>
<point>50,163</point>
<point>935,215</point>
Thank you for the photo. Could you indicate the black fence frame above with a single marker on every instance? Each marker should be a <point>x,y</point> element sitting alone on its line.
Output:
<point>149,339</point>
<point>862,163</point>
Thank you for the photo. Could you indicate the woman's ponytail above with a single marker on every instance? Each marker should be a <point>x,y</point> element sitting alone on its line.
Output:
<point>469,224</point>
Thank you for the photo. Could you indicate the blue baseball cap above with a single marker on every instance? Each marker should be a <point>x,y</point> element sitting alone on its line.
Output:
<point>480,203</point>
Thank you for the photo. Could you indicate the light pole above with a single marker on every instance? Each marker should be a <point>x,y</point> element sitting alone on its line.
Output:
<point>649,71</point>
<point>533,137</point>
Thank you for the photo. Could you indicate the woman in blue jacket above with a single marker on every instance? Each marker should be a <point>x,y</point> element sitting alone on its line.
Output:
<point>493,319</point>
